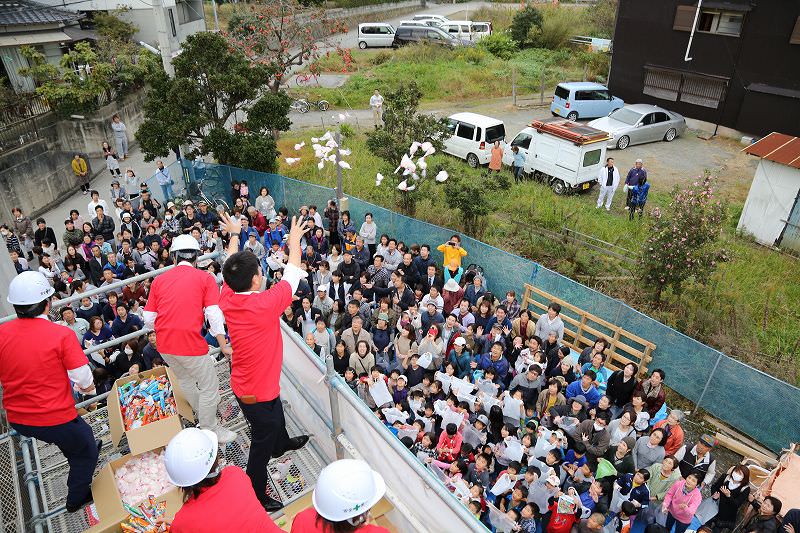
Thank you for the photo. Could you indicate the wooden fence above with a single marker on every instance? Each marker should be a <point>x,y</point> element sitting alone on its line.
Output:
<point>582,328</point>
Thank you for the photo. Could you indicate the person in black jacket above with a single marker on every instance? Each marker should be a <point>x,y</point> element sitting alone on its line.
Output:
<point>731,491</point>
<point>349,268</point>
<point>620,386</point>
<point>766,521</point>
<point>401,295</point>
<point>44,232</point>
<point>95,265</point>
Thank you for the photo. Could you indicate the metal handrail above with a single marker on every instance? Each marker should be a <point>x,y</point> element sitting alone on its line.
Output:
<point>112,286</point>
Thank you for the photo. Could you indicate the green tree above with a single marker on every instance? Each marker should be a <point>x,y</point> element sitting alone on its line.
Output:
<point>111,26</point>
<point>87,76</point>
<point>602,17</point>
<point>404,125</point>
<point>213,86</point>
<point>472,196</point>
<point>525,22</point>
<point>684,239</point>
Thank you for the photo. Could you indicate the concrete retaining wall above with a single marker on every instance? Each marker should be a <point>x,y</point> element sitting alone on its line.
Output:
<point>38,175</point>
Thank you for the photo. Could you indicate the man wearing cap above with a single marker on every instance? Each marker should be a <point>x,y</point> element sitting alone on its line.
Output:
<point>39,362</point>
<point>323,302</point>
<point>164,181</point>
<point>254,324</point>
<point>632,179</point>
<point>180,301</point>
<point>349,268</point>
<point>207,217</point>
<point>698,459</point>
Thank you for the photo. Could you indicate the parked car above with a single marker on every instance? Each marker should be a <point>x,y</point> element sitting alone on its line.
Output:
<point>418,34</point>
<point>574,100</point>
<point>375,34</point>
<point>460,29</point>
<point>472,136</point>
<point>564,154</point>
<point>481,30</point>
<point>437,18</point>
<point>420,23</point>
<point>640,123</point>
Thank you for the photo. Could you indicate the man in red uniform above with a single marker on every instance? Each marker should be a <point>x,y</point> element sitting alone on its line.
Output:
<point>179,301</point>
<point>253,319</point>
<point>38,360</point>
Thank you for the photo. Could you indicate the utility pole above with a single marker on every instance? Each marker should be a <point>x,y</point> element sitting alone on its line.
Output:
<point>216,19</point>
<point>339,188</point>
<point>163,36</point>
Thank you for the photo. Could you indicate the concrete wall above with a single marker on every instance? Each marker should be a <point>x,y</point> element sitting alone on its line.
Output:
<point>770,201</point>
<point>38,175</point>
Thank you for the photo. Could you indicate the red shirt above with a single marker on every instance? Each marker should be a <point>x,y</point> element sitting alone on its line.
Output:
<point>560,523</point>
<point>35,355</point>
<point>254,327</point>
<point>230,505</point>
<point>306,522</point>
<point>179,297</point>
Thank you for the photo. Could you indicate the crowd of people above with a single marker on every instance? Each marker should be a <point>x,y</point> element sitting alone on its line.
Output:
<point>482,391</point>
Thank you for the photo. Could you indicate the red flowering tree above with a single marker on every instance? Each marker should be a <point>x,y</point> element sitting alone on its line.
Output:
<point>684,239</point>
<point>283,34</point>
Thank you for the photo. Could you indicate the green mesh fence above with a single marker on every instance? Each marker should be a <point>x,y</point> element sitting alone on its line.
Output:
<point>753,402</point>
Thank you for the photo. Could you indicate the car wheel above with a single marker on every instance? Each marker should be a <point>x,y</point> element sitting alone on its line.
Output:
<point>559,187</point>
<point>472,160</point>
<point>554,114</point>
<point>573,116</point>
<point>623,142</point>
<point>323,105</point>
<point>671,134</point>
<point>362,45</point>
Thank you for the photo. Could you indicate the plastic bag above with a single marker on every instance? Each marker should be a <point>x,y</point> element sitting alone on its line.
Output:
<point>708,509</point>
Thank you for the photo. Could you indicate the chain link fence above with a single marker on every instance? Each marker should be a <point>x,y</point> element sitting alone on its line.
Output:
<point>728,389</point>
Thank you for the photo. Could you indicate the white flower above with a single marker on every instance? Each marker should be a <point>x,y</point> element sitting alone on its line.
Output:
<point>414,147</point>
<point>315,139</point>
<point>331,158</point>
<point>299,146</point>
<point>345,151</point>
<point>442,176</point>
<point>321,164</point>
<point>422,164</point>
<point>403,186</point>
<point>345,165</point>
<point>292,160</point>
<point>427,146</point>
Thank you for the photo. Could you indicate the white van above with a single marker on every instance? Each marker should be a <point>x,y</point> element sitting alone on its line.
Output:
<point>438,18</point>
<point>480,30</point>
<point>375,34</point>
<point>565,155</point>
<point>460,29</point>
<point>472,137</point>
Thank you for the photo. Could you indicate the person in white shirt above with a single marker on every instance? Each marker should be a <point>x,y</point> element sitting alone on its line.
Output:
<point>94,203</point>
<point>550,321</point>
<point>376,103</point>
<point>608,178</point>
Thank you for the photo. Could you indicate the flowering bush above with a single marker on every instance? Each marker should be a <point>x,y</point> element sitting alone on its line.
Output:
<point>684,239</point>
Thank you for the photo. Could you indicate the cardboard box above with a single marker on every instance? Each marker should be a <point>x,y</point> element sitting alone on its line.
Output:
<point>108,502</point>
<point>154,434</point>
<point>378,512</point>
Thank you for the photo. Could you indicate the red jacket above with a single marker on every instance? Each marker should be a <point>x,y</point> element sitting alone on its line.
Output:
<point>260,223</point>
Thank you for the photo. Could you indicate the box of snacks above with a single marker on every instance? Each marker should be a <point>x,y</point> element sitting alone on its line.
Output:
<point>147,408</point>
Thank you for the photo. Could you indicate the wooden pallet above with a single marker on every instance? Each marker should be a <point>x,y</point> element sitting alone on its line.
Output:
<point>582,328</point>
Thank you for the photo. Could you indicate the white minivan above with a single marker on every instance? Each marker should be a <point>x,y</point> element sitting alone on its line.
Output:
<point>460,29</point>
<point>472,137</point>
<point>375,34</point>
<point>438,18</point>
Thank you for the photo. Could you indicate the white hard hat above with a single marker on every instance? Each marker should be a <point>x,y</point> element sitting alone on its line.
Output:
<point>29,288</point>
<point>184,243</point>
<point>190,456</point>
<point>347,488</point>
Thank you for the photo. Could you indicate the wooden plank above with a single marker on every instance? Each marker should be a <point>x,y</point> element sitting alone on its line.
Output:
<point>725,428</point>
<point>743,449</point>
<point>580,328</point>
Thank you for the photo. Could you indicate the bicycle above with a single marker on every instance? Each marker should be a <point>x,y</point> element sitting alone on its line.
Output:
<point>322,105</point>
<point>300,105</point>
<point>209,187</point>
<point>303,79</point>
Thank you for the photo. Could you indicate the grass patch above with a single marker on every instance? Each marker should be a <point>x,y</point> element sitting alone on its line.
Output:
<point>749,310</point>
<point>450,75</point>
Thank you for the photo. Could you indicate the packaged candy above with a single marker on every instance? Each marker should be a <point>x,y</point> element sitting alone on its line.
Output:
<point>142,476</point>
<point>146,518</point>
<point>147,401</point>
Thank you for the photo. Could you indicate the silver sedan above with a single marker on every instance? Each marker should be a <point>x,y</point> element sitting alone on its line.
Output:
<point>640,123</point>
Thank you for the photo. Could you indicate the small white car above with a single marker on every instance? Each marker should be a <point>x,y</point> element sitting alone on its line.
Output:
<point>437,18</point>
<point>460,29</point>
<point>375,34</point>
<point>472,137</point>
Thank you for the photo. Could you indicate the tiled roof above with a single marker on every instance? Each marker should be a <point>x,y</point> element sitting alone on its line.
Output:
<point>25,12</point>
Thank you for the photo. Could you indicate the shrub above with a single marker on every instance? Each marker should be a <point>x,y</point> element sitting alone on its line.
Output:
<point>499,45</point>
<point>558,26</point>
<point>525,21</point>
<point>347,131</point>
<point>381,57</point>
<point>601,18</point>
<point>473,55</point>
<point>500,16</point>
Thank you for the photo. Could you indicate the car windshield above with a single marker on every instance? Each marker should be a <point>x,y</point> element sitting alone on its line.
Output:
<point>626,116</point>
<point>495,133</point>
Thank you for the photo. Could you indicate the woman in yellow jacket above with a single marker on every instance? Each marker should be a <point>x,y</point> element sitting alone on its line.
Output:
<point>452,250</point>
